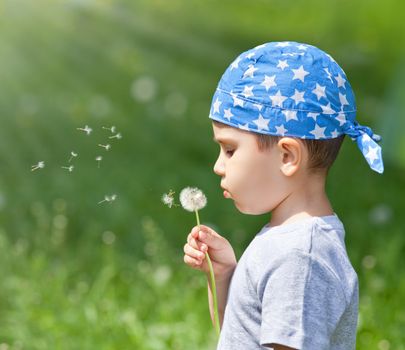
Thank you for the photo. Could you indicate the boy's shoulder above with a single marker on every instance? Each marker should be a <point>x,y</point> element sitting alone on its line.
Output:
<point>308,236</point>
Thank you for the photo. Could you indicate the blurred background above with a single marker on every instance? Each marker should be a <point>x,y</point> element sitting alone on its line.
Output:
<point>79,274</point>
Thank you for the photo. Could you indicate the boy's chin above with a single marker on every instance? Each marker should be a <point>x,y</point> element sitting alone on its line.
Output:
<point>248,210</point>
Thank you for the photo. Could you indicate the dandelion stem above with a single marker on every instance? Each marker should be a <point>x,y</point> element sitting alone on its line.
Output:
<point>213,284</point>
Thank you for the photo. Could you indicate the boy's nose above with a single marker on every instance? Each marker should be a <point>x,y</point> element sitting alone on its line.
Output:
<point>219,167</point>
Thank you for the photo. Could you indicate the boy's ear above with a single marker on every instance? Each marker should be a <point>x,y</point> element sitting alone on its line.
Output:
<point>291,153</point>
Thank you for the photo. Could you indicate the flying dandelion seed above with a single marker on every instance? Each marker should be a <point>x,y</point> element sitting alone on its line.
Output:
<point>86,129</point>
<point>99,159</point>
<point>70,168</point>
<point>112,129</point>
<point>168,199</point>
<point>117,136</point>
<point>40,165</point>
<point>72,155</point>
<point>107,146</point>
<point>109,199</point>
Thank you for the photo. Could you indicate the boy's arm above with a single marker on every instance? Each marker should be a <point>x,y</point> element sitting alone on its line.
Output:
<point>222,284</point>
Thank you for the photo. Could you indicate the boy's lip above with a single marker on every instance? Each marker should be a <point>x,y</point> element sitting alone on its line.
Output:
<point>227,194</point>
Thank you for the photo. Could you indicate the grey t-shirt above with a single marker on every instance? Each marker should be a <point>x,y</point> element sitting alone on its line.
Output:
<point>294,285</point>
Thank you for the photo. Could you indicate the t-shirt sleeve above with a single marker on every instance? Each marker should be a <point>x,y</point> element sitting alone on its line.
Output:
<point>302,302</point>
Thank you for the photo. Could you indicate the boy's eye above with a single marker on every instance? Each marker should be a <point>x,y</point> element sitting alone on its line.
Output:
<point>230,152</point>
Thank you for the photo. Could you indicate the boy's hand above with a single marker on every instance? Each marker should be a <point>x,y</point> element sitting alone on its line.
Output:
<point>202,239</point>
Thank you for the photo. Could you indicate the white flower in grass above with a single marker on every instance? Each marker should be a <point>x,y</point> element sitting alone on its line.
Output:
<point>72,155</point>
<point>112,129</point>
<point>109,199</point>
<point>40,165</point>
<point>117,136</point>
<point>168,199</point>
<point>192,199</point>
<point>107,146</point>
<point>86,129</point>
<point>70,168</point>
<point>99,159</point>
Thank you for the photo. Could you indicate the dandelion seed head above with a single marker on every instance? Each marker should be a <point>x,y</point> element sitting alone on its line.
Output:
<point>192,199</point>
<point>73,154</point>
<point>107,146</point>
<point>113,129</point>
<point>99,158</point>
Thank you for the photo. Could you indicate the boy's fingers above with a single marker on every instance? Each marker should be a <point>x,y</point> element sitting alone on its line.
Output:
<point>213,240</point>
<point>194,253</point>
<point>191,262</point>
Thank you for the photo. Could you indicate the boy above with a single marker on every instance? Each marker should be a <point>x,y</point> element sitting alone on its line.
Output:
<point>280,113</point>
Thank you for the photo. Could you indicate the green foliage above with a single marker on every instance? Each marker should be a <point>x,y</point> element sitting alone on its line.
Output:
<point>77,274</point>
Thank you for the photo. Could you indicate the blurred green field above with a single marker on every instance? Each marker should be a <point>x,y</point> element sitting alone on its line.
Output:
<point>76,274</point>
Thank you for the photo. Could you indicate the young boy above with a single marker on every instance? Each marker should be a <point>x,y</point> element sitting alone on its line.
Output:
<point>280,113</point>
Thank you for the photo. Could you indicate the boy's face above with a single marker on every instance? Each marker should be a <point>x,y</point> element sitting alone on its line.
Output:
<point>252,177</point>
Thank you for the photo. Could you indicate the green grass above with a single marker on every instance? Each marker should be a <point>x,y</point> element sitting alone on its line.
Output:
<point>75,274</point>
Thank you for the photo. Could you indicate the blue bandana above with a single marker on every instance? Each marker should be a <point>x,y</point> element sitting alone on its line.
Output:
<point>292,89</point>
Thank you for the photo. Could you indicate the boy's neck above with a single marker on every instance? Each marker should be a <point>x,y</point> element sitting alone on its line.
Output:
<point>307,199</point>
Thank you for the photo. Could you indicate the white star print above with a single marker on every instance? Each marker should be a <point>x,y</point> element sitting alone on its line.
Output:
<point>247,91</point>
<point>300,73</point>
<point>341,118</point>
<point>319,91</point>
<point>298,96</point>
<point>216,105</point>
<point>282,64</point>
<point>281,130</point>
<point>269,82</point>
<point>228,114</point>
<point>340,80</point>
<point>283,44</point>
<point>250,71</point>
<point>236,101</point>
<point>235,64</point>
<point>289,115</point>
<point>372,154</point>
<point>328,73</point>
<point>278,99</point>
<point>250,55</point>
<point>260,46</point>
<point>318,132</point>
<point>262,124</point>
<point>334,134</point>
<point>343,99</point>
<point>327,109</point>
<point>313,115</point>
<point>244,127</point>
<point>301,47</point>
<point>258,106</point>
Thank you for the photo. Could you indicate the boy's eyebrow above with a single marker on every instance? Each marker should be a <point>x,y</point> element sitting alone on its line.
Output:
<point>223,140</point>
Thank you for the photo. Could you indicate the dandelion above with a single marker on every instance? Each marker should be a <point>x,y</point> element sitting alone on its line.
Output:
<point>117,136</point>
<point>40,165</point>
<point>86,129</point>
<point>99,159</point>
<point>112,129</point>
<point>107,146</point>
<point>109,199</point>
<point>168,199</point>
<point>72,155</point>
<point>193,199</point>
<point>70,168</point>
